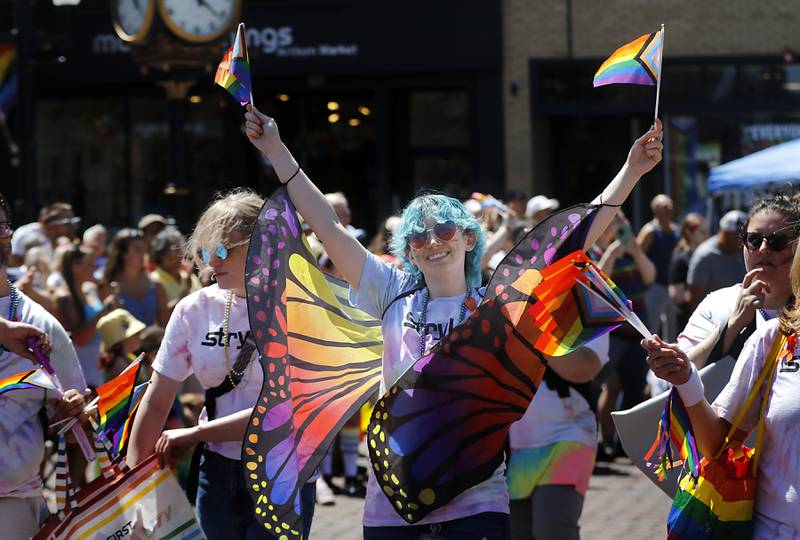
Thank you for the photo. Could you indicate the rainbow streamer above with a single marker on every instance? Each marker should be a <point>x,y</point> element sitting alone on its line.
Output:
<point>26,381</point>
<point>114,403</point>
<point>233,73</point>
<point>674,427</point>
<point>638,62</point>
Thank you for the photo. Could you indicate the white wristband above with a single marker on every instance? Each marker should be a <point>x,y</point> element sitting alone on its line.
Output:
<point>692,390</point>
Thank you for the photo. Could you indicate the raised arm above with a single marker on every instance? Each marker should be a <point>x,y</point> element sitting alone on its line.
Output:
<point>346,252</point>
<point>643,156</point>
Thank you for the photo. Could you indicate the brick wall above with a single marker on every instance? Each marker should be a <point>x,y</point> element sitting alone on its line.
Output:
<point>537,29</point>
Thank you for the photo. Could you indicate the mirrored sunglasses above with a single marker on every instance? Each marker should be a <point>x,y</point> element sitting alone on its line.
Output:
<point>220,251</point>
<point>775,241</point>
<point>443,231</point>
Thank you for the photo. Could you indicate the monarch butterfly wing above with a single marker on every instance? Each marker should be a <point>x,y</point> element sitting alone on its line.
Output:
<point>442,427</point>
<point>321,361</point>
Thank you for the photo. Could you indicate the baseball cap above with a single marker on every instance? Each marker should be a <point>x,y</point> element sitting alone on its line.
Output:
<point>730,221</point>
<point>149,219</point>
<point>116,326</point>
<point>539,203</point>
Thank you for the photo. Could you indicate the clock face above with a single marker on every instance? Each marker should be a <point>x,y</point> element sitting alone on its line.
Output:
<point>199,20</point>
<point>132,18</point>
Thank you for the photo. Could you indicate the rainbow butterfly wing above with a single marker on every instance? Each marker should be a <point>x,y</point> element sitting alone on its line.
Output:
<point>442,428</point>
<point>321,360</point>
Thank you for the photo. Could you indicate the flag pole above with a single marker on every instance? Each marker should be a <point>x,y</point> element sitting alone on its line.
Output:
<point>660,61</point>
<point>243,30</point>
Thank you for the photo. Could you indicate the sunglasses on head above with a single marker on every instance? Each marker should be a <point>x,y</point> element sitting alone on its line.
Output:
<point>443,231</point>
<point>220,251</point>
<point>775,241</point>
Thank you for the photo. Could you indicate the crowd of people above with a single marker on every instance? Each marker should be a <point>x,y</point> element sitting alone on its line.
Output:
<point>105,297</point>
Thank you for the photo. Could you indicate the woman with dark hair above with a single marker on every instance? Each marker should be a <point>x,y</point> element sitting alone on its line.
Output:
<point>125,275</point>
<point>693,232</point>
<point>78,308</point>
<point>775,513</point>
<point>166,252</point>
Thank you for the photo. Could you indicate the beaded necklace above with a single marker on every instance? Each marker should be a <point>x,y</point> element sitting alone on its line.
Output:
<point>422,324</point>
<point>225,339</point>
<point>13,305</point>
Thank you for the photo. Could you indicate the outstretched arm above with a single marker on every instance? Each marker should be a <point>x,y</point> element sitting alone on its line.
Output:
<point>643,156</point>
<point>346,252</point>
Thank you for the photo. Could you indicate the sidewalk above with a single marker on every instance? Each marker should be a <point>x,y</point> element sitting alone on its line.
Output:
<point>621,504</point>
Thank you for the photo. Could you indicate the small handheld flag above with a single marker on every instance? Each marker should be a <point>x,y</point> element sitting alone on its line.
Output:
<point>233,73</point>
<point>114,403</point>
<point>26,380</point>
<point>638,62</point>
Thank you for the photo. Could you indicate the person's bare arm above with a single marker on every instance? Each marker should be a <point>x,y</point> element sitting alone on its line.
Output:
<point>149,421</point>
<point>643,156</point>
<point>345,251</point>
<point>645,237</point>
<point>647,270</point>
<point>579,366</point>
<point>163,311</point>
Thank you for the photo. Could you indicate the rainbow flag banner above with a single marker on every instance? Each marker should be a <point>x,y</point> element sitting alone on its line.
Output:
<point>233,73</point>
<point>638,62</point>
<point>676,428</point>
<point>27,380</point>
<point>114,403</point>
<point>121,441</point>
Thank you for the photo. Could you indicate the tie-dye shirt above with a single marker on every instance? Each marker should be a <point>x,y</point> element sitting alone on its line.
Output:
<point>380,284</point>
<point>21,431</point>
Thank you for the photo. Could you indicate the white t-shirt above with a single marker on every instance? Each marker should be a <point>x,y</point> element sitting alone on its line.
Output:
<point>714,311</point>
<point>779,466</point>
<point>193,343</point>
<point>380,284</point>
<point>550,418</point>
<point>21,435</point>
<point>28,232</point>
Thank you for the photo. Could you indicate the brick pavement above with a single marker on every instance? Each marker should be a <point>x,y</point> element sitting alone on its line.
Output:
<point>621,504</point>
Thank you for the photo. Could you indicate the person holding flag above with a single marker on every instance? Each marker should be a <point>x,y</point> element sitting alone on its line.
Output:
<point>21,421</point>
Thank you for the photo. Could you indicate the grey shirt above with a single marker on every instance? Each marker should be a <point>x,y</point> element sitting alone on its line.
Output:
<point>711,269</point>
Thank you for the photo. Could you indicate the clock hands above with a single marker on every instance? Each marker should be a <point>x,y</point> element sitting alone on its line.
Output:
<point>203,3</point>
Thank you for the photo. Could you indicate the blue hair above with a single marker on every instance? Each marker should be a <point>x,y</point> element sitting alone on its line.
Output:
<point>439,208</point>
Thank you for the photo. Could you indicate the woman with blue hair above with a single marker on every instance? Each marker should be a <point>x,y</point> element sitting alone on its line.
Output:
<point>440,245</point>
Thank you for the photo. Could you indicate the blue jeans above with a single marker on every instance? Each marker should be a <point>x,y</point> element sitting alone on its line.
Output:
<point>485,526</point>
<point>224,505</point>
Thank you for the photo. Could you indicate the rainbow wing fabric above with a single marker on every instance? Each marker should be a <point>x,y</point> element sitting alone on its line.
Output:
<point>114,404</point>
<point>233,73</point>
<point>27,380</point>
<point>321,360</point>
<point>442,427</point>
<point>638,62</point>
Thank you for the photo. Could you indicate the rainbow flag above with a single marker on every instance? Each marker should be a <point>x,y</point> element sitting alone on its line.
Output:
<point>570,309</point>
<point>121,442</point>
<point>674,427</point>
<point>233,73</point>
<point>27,380</point>
<point>638,62</point>
<point>8,78</point>
<point>114,403</point>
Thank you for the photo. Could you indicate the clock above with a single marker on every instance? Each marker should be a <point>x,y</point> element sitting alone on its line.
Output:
<point>132,18</point>
<point>199,21</point>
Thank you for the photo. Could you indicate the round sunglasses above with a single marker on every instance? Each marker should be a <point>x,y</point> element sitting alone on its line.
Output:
<point>775,241</point>
<point>220,251</point>
<point>443,231</point>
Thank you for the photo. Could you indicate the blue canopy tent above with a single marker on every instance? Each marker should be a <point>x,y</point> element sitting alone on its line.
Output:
<point>777,164</point>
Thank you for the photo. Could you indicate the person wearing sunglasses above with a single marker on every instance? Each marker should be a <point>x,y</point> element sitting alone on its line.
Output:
<point>768,236</point>
<point>776,497</point>
<point>440,245</point>
<point>208,336</point>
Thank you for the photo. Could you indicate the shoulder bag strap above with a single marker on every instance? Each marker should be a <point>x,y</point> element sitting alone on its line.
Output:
<point>767,374</point>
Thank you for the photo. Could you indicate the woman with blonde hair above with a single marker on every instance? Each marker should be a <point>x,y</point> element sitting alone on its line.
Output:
<point>208,335</point>
<point>775,515</point>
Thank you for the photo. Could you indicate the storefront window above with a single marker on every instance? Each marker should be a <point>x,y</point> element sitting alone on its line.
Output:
<point>439,119</point>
